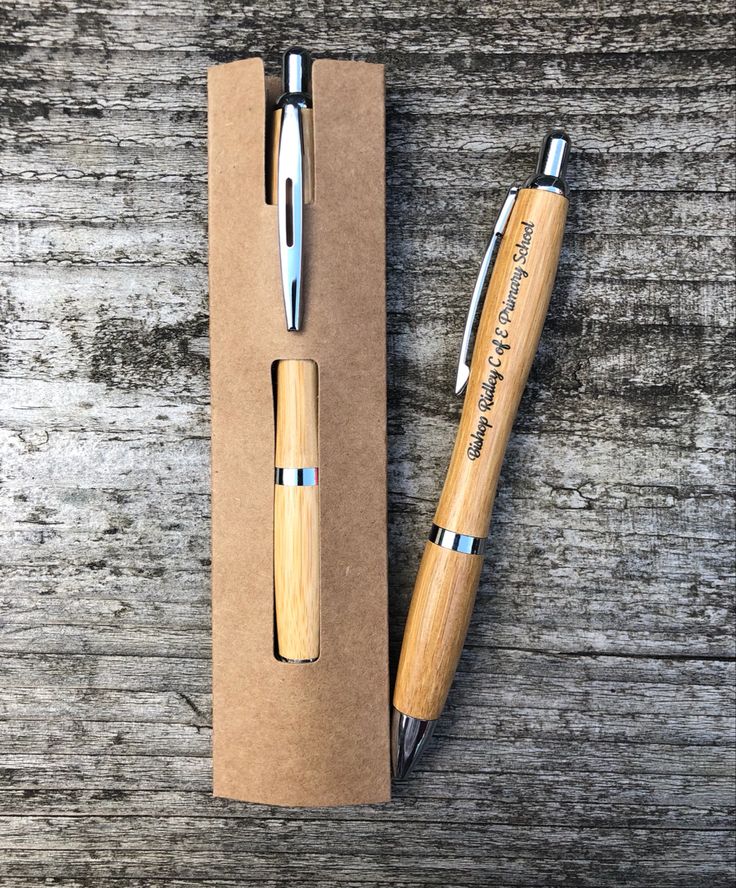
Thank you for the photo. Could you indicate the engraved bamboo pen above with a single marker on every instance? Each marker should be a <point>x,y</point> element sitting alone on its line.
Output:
<point>526,246</point>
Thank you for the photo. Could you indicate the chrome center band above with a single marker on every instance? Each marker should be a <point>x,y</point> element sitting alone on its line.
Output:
<point>297,477</point>
<point>458,542</point>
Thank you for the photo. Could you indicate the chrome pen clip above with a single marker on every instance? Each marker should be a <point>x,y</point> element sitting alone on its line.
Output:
<point>463,367</point>
<point>290,180</point>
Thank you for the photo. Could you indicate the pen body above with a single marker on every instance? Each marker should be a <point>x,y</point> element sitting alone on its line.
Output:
<point>511,322</point>
<point>296,534</point>
<point>505,344</point>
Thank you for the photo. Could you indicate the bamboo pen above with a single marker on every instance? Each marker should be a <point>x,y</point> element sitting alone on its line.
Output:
<point>296,527</point>
<point>526,245</point>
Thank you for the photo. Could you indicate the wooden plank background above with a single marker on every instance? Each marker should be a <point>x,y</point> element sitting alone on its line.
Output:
<point>589,738</point>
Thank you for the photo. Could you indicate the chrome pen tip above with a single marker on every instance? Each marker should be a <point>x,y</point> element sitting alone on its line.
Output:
<point>409,737</point>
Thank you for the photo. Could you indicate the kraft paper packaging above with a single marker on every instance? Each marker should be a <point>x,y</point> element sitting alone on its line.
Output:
<point>308,734</point>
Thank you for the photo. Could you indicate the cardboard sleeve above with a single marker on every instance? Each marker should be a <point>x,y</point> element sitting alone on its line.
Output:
<point>309,734</point>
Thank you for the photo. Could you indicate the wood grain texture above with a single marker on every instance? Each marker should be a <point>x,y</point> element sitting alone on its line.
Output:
<point>296,530</point>
<point>296,542</point>
<point>439,613</point>
<point>510,324</point>
<point>297,400</point>
<point>588,739</point>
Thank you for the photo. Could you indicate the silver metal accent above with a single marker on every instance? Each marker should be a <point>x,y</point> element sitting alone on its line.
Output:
<point>409,737</point>
<point>463,366</point>
<point>290,181</point>
<point>297,477</point>
<point>552,163</point>
<point>297,66</point>
<point>458,542</point>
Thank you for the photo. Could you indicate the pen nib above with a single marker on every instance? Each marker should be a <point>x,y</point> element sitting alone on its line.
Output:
<point>409,736</point>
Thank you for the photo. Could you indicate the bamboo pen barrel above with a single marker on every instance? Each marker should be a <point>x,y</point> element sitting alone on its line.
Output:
<point>506,341</point>
<point>441,606</point>
<point>296,534</point>
<point>505,344</point>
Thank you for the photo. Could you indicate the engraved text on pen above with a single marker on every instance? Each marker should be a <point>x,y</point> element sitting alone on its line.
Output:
<point>488,387</point>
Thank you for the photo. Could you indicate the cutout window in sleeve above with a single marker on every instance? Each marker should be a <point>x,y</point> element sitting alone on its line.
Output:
<point>296,519</point>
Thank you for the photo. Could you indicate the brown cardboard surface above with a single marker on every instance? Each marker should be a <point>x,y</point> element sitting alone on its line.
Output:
<point>313,734</point>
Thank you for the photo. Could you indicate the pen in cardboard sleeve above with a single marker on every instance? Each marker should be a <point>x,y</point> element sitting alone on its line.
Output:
<point>308,734</point>
<point>526,244</point>
<point>296,524</point>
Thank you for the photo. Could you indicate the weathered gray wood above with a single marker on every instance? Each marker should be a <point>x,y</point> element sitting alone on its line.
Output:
<point>589,737</point>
